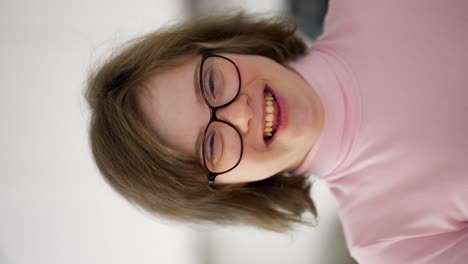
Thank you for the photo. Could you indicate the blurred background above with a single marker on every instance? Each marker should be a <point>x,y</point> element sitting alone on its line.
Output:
<point>54,205</point>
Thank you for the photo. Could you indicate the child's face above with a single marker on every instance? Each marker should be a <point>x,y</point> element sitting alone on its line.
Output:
<point>174,106</point>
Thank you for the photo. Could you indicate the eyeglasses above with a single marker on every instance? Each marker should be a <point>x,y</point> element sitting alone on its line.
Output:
<point>220,85</point>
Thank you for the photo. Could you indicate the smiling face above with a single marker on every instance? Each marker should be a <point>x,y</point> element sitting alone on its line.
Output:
<point>174,106</point>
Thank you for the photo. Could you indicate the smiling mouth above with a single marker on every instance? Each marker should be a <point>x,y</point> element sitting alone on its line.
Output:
<point>271,115</point>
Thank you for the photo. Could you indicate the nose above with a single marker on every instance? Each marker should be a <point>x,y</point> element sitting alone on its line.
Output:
<point>238,113</point>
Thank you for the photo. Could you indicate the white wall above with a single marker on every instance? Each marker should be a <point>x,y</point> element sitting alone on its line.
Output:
<point>257,6</point>
<point>54,205</point>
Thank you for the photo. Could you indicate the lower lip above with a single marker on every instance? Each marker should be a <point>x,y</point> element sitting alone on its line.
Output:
<point>282,115</point>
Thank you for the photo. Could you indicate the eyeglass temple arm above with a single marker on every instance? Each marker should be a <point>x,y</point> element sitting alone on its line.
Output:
<point>206,52</point>
<point>211,178</point>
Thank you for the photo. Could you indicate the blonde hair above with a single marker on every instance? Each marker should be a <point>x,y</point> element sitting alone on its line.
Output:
<point>172,184</point>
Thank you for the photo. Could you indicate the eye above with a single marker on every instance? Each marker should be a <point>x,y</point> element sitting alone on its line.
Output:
<point>212,146</point>
<point>210,84</point>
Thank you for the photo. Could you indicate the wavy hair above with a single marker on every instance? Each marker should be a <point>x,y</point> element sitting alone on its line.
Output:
<point>168,183</point>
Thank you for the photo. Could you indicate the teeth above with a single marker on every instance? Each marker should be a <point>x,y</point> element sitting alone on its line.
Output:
<point>269,109</point>
<point>269,117</point>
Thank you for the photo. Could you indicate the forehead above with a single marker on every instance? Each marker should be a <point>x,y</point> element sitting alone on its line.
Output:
<point>169,103</point>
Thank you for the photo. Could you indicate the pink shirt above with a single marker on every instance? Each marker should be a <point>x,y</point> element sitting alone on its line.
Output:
<point>393,78</point>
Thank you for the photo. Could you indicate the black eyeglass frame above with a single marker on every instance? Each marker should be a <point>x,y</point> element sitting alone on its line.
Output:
<point>208,53</point>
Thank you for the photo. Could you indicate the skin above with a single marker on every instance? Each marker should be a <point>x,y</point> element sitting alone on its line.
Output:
<point>170,101</point>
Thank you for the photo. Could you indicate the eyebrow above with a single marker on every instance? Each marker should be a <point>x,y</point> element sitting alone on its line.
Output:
<point>200,101</point>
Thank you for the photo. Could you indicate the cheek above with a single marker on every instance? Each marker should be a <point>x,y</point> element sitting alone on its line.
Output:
<point>255,161</point>
<point>249,70</point>
<point>261,73</point>
<point>254,166</point>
